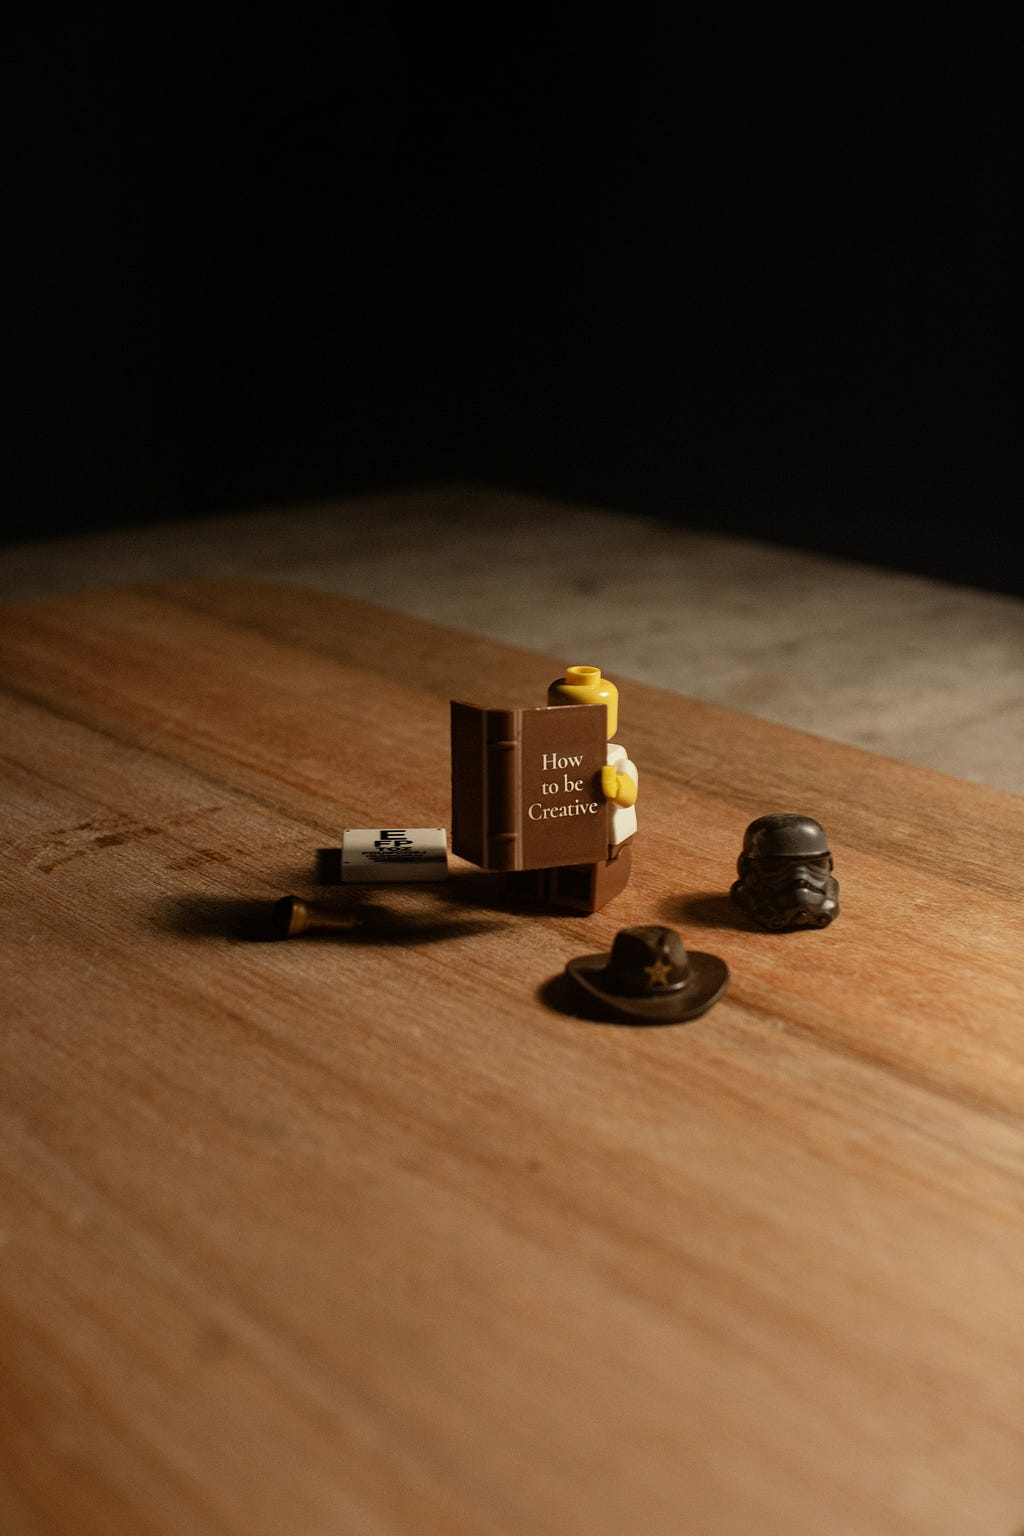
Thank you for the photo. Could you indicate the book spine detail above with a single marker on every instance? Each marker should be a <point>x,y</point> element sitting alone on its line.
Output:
<point>502,777</point>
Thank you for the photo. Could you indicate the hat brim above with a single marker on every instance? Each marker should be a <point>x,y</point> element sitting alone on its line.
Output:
<point>707,981</point>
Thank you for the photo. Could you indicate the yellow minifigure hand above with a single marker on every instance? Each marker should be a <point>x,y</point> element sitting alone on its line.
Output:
<point>618,786</point>
<point>627,790</point>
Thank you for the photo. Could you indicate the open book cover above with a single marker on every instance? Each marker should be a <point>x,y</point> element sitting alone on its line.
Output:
<point>526,785</point>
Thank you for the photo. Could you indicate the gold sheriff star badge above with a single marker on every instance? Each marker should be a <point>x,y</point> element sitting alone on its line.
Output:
<point>659,972</point>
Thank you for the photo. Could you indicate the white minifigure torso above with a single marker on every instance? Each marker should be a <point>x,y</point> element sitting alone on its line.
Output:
<point>622,821</point>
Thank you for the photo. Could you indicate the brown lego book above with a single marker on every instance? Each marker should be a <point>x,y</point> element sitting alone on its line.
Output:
<point>526,785</point>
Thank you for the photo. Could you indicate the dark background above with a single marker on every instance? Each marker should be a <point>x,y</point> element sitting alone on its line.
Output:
<point>749,278</point>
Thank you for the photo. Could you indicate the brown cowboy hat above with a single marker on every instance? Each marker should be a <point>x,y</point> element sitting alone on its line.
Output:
<point>649,978</point>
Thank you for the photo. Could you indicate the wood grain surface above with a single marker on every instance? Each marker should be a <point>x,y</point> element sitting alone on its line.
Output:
<point>367,1235</point>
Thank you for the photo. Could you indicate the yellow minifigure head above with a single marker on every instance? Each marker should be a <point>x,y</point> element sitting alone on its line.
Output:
<point>585,685</point>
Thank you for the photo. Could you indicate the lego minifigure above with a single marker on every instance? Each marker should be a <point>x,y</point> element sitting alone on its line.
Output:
<point>649,978</point>
<point>785,873</point>
<point>592,886</point>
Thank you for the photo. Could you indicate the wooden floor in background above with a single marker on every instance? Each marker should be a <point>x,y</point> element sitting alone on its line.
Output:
<point>919,670</point>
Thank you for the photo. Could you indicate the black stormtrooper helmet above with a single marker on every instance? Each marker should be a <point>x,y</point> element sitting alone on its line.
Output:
<point>785,873</point>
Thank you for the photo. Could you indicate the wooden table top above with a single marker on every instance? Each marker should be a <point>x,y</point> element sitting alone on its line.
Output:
<point>365,1235</point>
